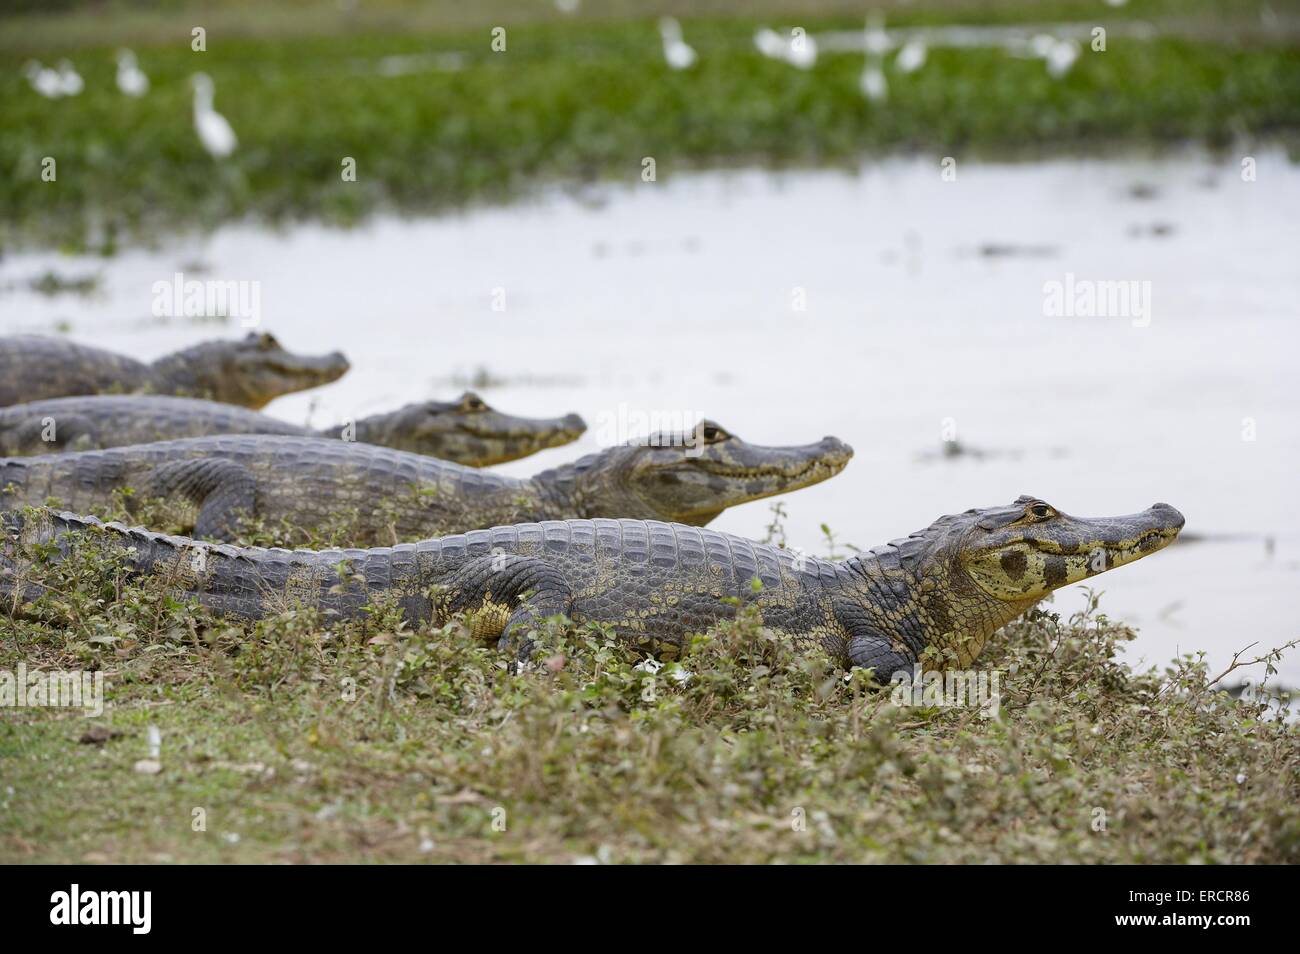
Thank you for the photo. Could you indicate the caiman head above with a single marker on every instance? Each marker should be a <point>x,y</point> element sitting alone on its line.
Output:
<point>999,561</point>
<point>1023,552</point>
<point>468,431</point>
<point>250,372</point>
<point>692,477</point>
<point>969,574</point>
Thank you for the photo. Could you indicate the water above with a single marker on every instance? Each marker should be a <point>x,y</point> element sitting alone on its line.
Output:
<point>924,311</point>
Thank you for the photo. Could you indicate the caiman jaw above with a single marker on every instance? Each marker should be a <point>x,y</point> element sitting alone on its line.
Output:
<point>804,466</point>
<point>1026,552</point>
<point>693,484</point>
<point>272,375</point>
<point>510,438</point>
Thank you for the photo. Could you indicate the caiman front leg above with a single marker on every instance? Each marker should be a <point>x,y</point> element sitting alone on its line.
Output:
<point>867,647</point>
<point>224,490</point>
<point>519,592</point>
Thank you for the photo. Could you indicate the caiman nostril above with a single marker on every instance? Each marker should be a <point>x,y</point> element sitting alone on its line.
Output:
<point>1169,513</point>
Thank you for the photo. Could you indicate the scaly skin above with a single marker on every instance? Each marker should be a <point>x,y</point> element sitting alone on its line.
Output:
<point>466,430</point>
<point>935,597</point>
<point>313,483</point>
<point>249,373</point>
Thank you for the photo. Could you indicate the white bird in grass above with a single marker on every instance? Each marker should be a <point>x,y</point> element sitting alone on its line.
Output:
<point>214,132</point>
<point>875,39</point>
<point>911,57</point>
<point>44,80</point>
<point>130,78</point>
<point>801,51</point>
<point>70,79</point>
<point>1061,57</point>
<point>873,84</point>
<point>769,43</point>
<point>1058,54</point>
<point>876,42</point>
<point>798,49</point>
<point>676,51</point>
<point>1042,44</point>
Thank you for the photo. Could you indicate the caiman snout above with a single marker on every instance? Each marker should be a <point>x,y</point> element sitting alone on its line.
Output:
<point>333,364</point>
<point>835,449</point>
<point>1169,516</point>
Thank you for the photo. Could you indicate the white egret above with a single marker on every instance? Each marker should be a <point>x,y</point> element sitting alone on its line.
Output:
<point>130,78</point>
<point>875,39</point>
<point>873,83</point>
<point>769,43</point>
<point>797,49</point>
<point>1042,44</point>
<point>69,79</point>
<point>213,129</point>
<point>911,57</point>
<point>801,51</point>
<point>677,52</point>
<point>44,80</point>
<point>1061,58</point>
<point>876,42</point>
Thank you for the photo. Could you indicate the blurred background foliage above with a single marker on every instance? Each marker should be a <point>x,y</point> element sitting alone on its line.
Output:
<point>435,118</point>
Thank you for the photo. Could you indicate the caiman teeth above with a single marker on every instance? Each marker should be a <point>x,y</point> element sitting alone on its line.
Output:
<point>751,473</point>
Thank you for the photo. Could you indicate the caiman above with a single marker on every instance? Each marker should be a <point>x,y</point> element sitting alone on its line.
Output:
<point>465,430</point>
<point>945,589</point>
<point>384,495</point>
<point>250,372</point>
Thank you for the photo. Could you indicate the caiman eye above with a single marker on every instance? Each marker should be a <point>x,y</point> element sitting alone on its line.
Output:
<point>712,433</point>
<point>1041,511</point>
<point>472,402</point>
<point>267,341</point>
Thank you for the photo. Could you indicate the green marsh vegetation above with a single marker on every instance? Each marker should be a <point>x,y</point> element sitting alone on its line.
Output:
<point>301,738</point>
<point>571,100</point>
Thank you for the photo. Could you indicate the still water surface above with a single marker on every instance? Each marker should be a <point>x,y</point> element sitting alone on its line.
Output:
<point>923,310</point>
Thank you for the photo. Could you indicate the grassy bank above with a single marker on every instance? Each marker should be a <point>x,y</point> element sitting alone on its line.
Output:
<point>569,101</point>
<point>302,739</point>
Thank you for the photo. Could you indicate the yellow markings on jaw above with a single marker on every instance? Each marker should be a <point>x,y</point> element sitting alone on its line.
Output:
<point>1023,571</point>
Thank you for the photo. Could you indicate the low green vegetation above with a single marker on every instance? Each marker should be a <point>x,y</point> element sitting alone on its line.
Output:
<point>569,101</point>
<point>300,738</point>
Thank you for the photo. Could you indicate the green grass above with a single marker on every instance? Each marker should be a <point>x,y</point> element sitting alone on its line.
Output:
<point>303,739</point>
<point>569,101</point>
